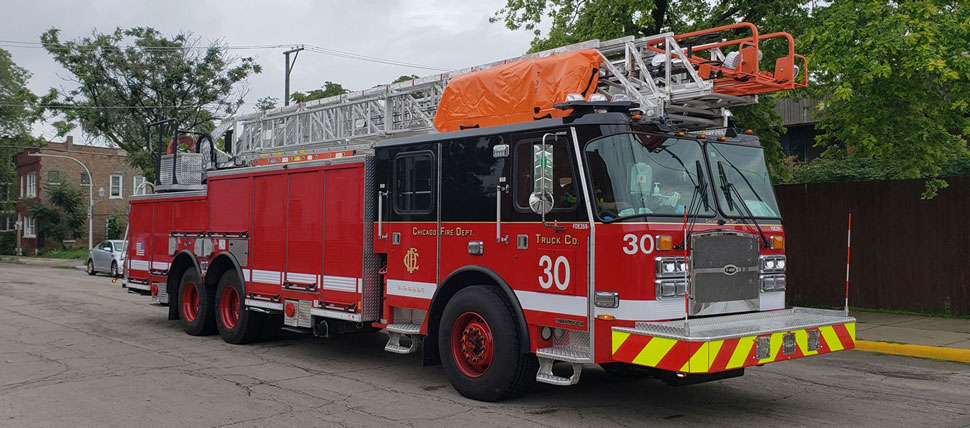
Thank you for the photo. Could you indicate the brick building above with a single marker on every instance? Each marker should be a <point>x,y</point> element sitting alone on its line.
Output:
<point>109,170</point>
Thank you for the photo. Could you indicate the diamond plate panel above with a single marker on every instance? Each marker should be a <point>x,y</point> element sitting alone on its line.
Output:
<point>735,326</point>
<point>371,286</point>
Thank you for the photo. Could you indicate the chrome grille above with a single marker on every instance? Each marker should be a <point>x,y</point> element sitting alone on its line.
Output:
<point>724,267</point>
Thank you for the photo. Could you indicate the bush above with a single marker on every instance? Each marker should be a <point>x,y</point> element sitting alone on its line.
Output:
<point>67,253</point>
<point>8,243</point>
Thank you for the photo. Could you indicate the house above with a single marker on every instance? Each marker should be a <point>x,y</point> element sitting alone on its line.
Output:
<point>58,162</point>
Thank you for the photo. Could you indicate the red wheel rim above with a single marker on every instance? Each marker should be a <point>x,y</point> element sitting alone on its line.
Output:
<point>190,301</point>
<point>229,307</point>
<point>471,344</point>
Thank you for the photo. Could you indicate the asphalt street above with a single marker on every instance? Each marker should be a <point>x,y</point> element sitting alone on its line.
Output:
<point>78,351</point>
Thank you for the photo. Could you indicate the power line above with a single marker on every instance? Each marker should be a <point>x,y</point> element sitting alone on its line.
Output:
<point>311,48</point>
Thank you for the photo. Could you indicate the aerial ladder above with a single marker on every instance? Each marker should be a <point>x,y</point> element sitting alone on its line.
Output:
<point>681,81</point>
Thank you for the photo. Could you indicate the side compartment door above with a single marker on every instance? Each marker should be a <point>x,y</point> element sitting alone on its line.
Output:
<point>268,248</point>
<point>343,245</point>
<point>139,240</point>
<point>161,228</point>
<point>304,231</point>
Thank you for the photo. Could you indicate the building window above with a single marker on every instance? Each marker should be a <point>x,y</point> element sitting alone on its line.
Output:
<point>30,227</point>
<point>116,191</point>
<point>6,224</point>
<point>53,177</point>
<point>85,179</point>
<point>138,185</point>
<point>31,185</point>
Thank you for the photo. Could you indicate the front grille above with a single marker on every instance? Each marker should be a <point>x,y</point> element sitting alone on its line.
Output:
<point>724,267</point>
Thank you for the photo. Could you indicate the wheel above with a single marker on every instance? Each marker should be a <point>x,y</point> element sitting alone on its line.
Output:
<point>196,305</point>
<point>91,267</point>
<point>114,269</point>
<point>480,346</point>
<point>236,324</point>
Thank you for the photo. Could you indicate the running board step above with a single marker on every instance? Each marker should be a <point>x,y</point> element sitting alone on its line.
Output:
<point>396,332</point>
<point>545,374</point>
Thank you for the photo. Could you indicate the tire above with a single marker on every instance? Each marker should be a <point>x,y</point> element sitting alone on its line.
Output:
<point>196,305</point>
<point>91,270</point>
<point>481,346</point>
<point>114,269</point>
<point>236,325</point>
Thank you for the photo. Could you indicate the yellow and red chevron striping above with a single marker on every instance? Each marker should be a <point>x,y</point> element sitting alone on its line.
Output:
<point>720,355</point>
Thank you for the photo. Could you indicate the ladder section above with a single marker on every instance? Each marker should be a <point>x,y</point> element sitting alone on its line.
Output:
<point>683,81</point>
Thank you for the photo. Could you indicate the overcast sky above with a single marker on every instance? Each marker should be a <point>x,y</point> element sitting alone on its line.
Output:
<point>440,33</point>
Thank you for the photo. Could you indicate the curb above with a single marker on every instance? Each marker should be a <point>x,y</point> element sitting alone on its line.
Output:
<point>918,351</point>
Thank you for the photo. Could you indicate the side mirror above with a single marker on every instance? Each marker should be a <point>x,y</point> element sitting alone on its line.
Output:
<point>541,200</point>
<point>541,203</point>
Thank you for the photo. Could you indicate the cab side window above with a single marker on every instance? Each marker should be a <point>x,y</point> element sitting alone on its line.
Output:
<point>414,183</point>
<point>529,154</point>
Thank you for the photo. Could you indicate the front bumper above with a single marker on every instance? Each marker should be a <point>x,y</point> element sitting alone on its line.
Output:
<point>716,344</point>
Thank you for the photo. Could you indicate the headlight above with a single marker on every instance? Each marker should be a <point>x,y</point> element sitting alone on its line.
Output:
<point>772,263</point>
<point>668,267</point>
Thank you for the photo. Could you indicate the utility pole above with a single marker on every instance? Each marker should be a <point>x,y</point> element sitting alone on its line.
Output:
<point>289,68</point>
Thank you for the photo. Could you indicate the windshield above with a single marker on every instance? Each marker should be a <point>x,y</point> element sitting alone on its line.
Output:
<point>740,176</point>
<point>640,174</point>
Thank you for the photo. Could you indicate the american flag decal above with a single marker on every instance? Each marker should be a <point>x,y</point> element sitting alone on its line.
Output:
<point>140,249</point>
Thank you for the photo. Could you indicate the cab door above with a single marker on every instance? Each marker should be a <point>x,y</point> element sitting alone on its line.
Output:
<point>552,230</point>
<point>412,257</point>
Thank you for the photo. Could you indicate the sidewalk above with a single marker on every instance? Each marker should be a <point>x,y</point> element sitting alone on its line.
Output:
<point>913,335</point>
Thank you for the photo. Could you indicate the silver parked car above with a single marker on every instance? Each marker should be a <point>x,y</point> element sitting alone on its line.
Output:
<point>107,257</point>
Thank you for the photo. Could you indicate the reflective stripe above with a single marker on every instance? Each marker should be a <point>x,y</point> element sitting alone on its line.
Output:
<point>266,276</point>
<point>420,290</point>
<point>138,265</point>
<point>720,355</point>
<point>554,303</point>
<point>302,278</point>
<point>160,265</point>
<point>340,283</point>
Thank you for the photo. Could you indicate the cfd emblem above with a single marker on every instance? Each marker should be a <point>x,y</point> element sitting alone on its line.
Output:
<point>411,260</point>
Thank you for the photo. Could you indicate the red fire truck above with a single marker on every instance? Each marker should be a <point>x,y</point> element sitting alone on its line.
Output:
<point>587,205</point>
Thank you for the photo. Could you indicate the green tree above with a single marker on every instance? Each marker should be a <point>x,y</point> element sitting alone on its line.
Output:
<point>17,113</point>
<point>895,80</point>
<point>131,77</point>
<point>405,78</point>
<point>328,89</point>
<point>573,21</point>
<point>117,222</point>
<point>266,103</point>
<point>63,214</point>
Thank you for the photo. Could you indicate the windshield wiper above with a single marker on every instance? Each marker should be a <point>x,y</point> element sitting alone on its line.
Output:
<point>728,185</point>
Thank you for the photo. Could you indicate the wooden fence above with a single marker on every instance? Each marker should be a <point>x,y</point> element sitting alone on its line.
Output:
<point>907,253</point>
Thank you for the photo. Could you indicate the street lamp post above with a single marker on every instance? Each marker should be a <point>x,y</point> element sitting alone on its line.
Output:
<point>90,194</point>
